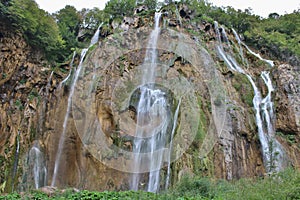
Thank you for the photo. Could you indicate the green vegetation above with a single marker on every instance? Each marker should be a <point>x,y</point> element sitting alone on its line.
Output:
<point>280,35</point>
<point>119,8</point>
<point>37,26</point>
<point>284,185</point>
<point>58,33</point>
<point>243,86</point>
<point>289,137</point>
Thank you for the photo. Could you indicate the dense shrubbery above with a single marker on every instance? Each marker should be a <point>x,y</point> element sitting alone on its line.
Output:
<point>284,185</point>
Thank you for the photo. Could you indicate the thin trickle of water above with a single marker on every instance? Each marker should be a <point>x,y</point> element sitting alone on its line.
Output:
<point>49,83</point>
<point>41,116</point>
<point>65,123</point>
<point>224,35</point>
<point>217,31</point>
<point>270,62</point>
<point>171,145</point>
<point>237,37</point>
<point>70,71</point>
<point>16,159</point>
<point>178,16</point>
<point>94,41</point>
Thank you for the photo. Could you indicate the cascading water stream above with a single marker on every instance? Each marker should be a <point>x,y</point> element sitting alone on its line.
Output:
<point>95,37</point>
<point>178,15</point>
<point>37,164</point>
<point>65,123</point>
<point>70,71</point>
<point>153,120</point>
<point>270,62</point>
<point>277,154</point>
<point>16,159</point>
<point>171,145</point>
<point>237,37</point>
<point>94,40</point>
<point>273,153</point>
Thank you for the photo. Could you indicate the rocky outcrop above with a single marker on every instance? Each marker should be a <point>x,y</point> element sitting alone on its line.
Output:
<point>288,109</point>
<point>288,98</point>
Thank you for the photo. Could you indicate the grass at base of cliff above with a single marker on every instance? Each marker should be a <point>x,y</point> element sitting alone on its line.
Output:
<point>284,185</point>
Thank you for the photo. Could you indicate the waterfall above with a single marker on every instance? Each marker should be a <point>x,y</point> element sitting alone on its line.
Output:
<point>70,71</point>
<point>95,37</point>
<point>237,37</point>
<point>171,145</point>
<point>224,35</point>
<point>16,159</point>
<point>178,15</point>
<point>36,163</point>
<point>228,59</point>
<point>65,123</point>
<point>153,119</point>
<point>273,153</point>
<point>277,155</point>
<point>270,62</point>
<point>94,40</point>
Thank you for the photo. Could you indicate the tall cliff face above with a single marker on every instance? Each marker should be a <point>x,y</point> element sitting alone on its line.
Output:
<point>216,126</point>
<point>24,95</point>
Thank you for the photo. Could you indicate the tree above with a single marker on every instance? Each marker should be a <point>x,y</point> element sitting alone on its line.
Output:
<point>151,4</point>
<point>39,28</point>
<point>92,18</point>
<point>68,20</point>
<point>120,8</point>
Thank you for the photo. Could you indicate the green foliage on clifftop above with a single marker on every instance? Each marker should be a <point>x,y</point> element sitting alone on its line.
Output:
<point>57,34</point>
<point>277,35</point>
<point>37,26</point>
